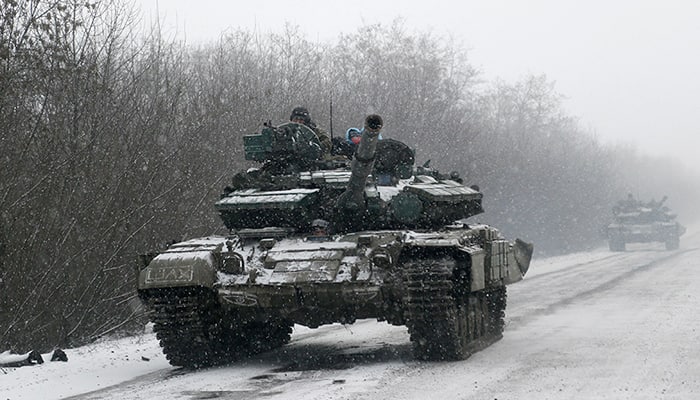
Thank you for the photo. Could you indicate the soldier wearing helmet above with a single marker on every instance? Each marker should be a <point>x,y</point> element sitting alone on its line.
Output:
<point>301,115</point>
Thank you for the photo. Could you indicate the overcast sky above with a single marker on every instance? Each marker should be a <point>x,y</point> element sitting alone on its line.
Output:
<point>630,69</point>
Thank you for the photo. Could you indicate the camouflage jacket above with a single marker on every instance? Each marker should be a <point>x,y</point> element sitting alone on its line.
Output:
<point>324,139</point>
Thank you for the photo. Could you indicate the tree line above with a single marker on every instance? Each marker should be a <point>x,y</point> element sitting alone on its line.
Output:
<point>115,141</point>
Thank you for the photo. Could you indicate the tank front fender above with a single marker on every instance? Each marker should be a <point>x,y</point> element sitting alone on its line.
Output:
<point>179,269</point>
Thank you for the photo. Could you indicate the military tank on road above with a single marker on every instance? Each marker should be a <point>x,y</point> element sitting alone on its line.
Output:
<point>639,222</point>
<point>316,240</point>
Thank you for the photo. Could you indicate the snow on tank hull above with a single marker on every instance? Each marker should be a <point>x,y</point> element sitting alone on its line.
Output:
<point>395,254</point>
<point>241,285</point>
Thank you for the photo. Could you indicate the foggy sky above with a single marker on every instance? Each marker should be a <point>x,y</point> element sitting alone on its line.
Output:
<point>628,68</point>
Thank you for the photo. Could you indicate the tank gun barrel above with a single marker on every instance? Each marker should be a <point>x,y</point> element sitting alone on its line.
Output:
<point>362,163</point>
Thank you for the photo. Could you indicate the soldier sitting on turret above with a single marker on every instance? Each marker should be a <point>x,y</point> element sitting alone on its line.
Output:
<point>300,115</point>
<point>352,139</point>
<point>319,227</point>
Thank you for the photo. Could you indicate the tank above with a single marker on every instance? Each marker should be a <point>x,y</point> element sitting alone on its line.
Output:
<point>635,221</point>
<point>317,240</point>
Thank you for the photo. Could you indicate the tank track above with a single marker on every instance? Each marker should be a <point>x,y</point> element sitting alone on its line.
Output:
<point>192,331</point>
<point>446,323</point>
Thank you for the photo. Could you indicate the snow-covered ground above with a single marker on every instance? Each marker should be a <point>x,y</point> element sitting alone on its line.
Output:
<point>596,325</point>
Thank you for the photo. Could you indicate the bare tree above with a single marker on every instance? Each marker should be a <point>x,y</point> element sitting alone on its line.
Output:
<point>115,143</point>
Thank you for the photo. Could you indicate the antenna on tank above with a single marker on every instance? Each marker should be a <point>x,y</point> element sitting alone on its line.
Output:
<point>330,123</point>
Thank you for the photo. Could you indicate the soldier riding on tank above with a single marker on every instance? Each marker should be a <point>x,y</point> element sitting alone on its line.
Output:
<point>316,241</point>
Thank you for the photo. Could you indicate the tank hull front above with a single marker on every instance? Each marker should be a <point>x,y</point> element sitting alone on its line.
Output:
<point>668,233</point>
<point>244,282</point>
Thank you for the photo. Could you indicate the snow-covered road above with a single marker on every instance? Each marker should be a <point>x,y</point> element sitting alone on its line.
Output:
<point>595,325</point>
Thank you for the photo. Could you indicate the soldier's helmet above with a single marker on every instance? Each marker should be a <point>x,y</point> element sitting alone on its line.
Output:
<point>301,113</point>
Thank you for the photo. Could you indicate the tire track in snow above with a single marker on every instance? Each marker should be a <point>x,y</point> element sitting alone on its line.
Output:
<point>563,301</point>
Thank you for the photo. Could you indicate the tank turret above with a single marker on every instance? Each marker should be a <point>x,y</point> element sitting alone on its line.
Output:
<point>316,240</point>
<point>380,189</point>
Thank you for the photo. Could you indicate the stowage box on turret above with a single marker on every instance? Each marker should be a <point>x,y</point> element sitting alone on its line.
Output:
<point>638,222</point>
<point>317,240</point>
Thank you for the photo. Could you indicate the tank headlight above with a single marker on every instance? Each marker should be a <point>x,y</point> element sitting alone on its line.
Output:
<point>381,258</point>
<point>268,243</point>
<point>232,264</point>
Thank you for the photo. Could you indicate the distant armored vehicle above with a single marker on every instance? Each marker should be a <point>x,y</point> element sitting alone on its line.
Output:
<point>318,240</point>
<point>639,222</point>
